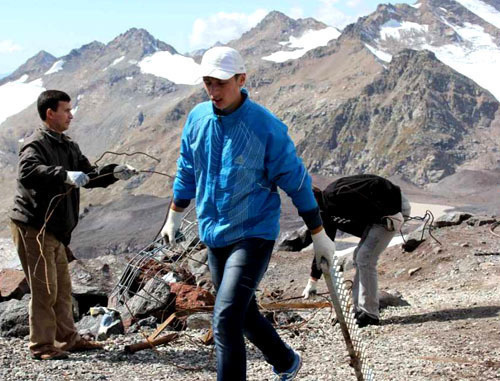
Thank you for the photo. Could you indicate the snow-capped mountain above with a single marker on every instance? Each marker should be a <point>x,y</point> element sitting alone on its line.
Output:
<point>395,93</point>
<point>463,34</point>
<point>134,93</point>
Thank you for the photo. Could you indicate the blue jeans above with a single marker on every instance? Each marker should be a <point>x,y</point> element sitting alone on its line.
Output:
<point>236,272</point>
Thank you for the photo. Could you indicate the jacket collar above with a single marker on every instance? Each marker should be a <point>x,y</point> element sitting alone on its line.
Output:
<point>58,137</point>
<point>236,113</point>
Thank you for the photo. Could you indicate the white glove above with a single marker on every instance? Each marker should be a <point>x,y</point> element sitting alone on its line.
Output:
<point>76,178</point>
<point>394,222</point>
<point>124,172</point>
<point>172,225</point>
<point>323,248</point>
<point>310,288</point>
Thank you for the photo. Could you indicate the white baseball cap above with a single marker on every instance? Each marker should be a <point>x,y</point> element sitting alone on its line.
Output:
<point>222,62</point>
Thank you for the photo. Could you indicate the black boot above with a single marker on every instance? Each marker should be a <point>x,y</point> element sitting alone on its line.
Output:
<point>363,319</point>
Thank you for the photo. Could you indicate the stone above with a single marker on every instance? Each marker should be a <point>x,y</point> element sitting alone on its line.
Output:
<point>391,298</point>
<point>199,321</point>
<point>480,220</point>
<point>89,325</point>
<point>155,295</point>
<point>295,240</point>
<point>189,297</point>
<point>450,219</point>
<point>13,284</point>
<point>14,320</point>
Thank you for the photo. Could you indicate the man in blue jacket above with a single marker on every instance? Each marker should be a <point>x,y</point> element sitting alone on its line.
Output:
<point>234,155</point>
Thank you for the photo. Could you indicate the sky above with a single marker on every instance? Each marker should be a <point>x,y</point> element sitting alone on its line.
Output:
<point>28,26</point>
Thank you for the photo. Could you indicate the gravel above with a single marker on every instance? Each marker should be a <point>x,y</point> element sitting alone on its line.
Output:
<point>450,330</point>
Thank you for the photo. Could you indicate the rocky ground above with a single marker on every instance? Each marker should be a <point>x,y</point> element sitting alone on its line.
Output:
<point>449,331</point>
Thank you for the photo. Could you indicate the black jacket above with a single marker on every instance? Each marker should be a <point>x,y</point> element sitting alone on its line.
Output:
<point>353,203</point>
<point>43,162</point>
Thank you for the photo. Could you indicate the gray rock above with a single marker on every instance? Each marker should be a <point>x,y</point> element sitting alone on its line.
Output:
<point>14,318</point>
<point>89,325</point>
<point>481,220</point>
<point>295,240</point>
<point>153,296</point>
<point>391,298</point>
<point>450,219</point>
<point>96,276</point>
<point>199,321</point>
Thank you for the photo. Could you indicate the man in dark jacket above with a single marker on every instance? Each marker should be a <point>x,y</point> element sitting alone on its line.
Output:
<point>46,206</point>
<point>369,207</point>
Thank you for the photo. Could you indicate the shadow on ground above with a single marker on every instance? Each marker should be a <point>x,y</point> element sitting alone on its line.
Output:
<point>447,315</point>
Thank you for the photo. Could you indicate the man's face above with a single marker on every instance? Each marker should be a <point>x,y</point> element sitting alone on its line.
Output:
<point>60,119</point>
<point>225,94</point>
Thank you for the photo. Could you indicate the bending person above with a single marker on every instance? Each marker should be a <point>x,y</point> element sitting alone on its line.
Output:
<point>373,209</point>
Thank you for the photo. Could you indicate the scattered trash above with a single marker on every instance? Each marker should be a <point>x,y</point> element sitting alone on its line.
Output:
<point>111,323</point>
<point>413,271</point>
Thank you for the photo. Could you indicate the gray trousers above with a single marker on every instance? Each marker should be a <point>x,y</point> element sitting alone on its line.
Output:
<point>365,285</point>
<point>374,241</point>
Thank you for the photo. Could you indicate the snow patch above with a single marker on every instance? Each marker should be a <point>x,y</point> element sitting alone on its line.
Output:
<point>397,30</point>
<point>15,96</point>
<point>478,60</point>
<point>311,39</point>
<point>483,10</point>
<point>174,67</point>
<point>57,66</point>
<point>117,60</point>
<point>416,5</point>
<point>379,53</point>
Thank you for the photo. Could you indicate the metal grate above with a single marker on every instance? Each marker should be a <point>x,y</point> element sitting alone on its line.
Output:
<point>156,261</point>
<point>344,311</point>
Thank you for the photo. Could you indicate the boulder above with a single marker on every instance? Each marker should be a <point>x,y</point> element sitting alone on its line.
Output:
<point>481,220</point>
<point>295,240</point>
<point>96,276</point>
<point>198,266</point>
<point>450,219</point>
<point>13,284</point>
<point>89,325</point>
<point>14,320</point>
<point>154,296</point>
<point>189,296</point>
<point>199,321</point>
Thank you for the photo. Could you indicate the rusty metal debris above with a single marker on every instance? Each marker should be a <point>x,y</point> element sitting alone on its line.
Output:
<point>146,344</point>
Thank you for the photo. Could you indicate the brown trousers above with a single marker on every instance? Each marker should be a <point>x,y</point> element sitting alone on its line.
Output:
<point>50,313</point>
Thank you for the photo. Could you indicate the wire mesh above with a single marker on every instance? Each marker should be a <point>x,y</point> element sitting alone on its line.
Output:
<point>344,310</point>
<point>154,264</point>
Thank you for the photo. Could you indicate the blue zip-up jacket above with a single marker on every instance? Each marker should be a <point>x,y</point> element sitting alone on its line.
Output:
<point>232,165</point>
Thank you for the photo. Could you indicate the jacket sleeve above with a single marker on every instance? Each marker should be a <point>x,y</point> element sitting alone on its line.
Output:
<point>34,169</point>
<point>185,182</point>
<point>286,170</point>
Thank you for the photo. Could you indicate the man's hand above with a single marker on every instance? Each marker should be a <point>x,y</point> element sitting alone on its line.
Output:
<point>310,288</point>
<point>172,225</point>
<point>76,178</point>
<point>323,248</point>
<point>124,172</point>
